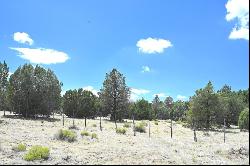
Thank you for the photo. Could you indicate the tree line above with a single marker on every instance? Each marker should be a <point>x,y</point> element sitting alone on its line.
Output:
<point>35,91</point>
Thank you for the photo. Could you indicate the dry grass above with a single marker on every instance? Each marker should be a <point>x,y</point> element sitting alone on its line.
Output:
<point>113,148</point>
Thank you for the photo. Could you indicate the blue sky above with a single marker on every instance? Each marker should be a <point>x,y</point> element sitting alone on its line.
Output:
<point>166,47</point>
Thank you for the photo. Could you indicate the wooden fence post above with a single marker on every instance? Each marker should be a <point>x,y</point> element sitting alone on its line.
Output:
<point>224,130</point>
<point>149,128</point>
<point>134,125</point>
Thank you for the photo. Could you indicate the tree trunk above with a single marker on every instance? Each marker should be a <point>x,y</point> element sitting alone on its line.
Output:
<point>134,125</point>
<point>224,130</point>
<point>85,122</point>
<point>4,112</point>
<point>73,118</point>
<point>115,122</point>
<point>63,119</point>
<point>171,128</point>
<point>195,138</point>
<point>100,123</point>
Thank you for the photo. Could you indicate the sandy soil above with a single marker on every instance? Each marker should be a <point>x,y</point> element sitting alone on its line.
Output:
<point>113,148</point>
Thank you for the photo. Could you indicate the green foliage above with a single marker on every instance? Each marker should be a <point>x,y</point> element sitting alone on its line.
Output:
<point>94,125</point>
<point>79,103</point>
<point>204,105</point>
<point>85,133</point>
<point>114,95</point>
<point>126,125</point>
<point>20,147</point>
<point>37,153</point>
<point>4,72</point>
<point>94,135</point>
<point>231,104</point>
<point>142,109</point>
<point>210,108</point>
<point>180,109</point>
<point>34,91</point>
<point>244,119</point>
<point>156,106</point>
<point>121,130</point>
<point>67,135</point>
<point>140,127</point>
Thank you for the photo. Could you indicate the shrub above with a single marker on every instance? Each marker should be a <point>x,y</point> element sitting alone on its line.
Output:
<point>94,135</point>
<point>140,127</point>
<point>37,153</point>
<point>127,125</point>
<point>85,133</point>
<point>19,147</point>
<point>121,130</point>
<point>244,119</point>
<point>94,125</point>
<point>156,122</point>
<point>67,135</point>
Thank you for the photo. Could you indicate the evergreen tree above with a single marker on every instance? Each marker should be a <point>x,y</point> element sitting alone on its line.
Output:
<point>115,95</point>
<point>4,73</point>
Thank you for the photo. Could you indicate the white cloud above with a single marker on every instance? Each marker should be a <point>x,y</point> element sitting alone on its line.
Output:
<point>153,45</point>
<point>238,10</point>
<point>23,37</point>
<point>42,55</point>
<point>161,95</point>
<point>145,69</point>
<point>10,73</point>
<point>92,89</point>
<point>63,92</point>
<point>137,93</point>
<point>180,97</point>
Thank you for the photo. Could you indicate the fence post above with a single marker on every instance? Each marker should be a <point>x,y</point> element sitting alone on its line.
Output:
<point>149,128</point>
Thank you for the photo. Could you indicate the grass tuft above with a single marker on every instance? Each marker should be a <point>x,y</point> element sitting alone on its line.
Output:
<point>85,133</point>
<point>37,153</point>
<point>20,147</point>
<point>140,127</point>
<point>94,135</point>
<point>121,130</point>
<point>66,135</point>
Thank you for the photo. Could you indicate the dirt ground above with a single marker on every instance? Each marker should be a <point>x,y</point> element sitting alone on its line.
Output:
<point>113,148</point>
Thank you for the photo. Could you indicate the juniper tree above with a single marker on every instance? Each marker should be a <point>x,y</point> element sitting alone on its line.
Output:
<point>34,91</point>
<point>4,72</point>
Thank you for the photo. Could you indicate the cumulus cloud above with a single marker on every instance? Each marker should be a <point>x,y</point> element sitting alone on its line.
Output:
<point>162,95</point>
<point>137,93</point>
<point>180,97</point>
<point>153,45</point>
<point>92,89</point>
<point>42,55</point>
<point>23,38</point>
<point>145,69</point>
<point>238,10</point>
<point>10,73</point>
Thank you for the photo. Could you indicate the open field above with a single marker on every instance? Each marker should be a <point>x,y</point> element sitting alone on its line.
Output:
<point>113,148</point>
